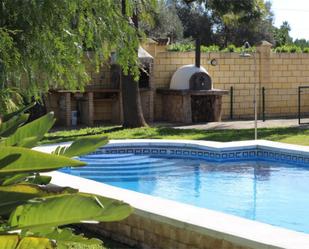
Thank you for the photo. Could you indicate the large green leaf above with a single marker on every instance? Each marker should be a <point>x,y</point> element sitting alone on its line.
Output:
<point>82,146</point>
<point>34,178</point>
<point>21,160</point>
<point>8,241</point>
<point>13,179</point>
<point>39,179</point>
<point>16,242</point>
<point>29,134</point>
<point>65,238</point>
<point>59,238</point>
<point>9,127</point>
<point>36,243</point>
<point>67,209</point>
<point>20,111</point>
<point>15,195</point>
<point>12,196</point>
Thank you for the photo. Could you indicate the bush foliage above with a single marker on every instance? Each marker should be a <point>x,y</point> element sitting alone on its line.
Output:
<point>187,47</point>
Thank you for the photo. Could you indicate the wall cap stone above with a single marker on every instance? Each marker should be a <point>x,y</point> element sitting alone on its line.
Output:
<point>264,44</point>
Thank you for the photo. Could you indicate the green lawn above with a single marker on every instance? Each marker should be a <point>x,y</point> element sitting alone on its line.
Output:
<point>287,135</point>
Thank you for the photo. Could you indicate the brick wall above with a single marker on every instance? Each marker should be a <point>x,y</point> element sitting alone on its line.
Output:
<point>279,74</point>
<point>156,232</point>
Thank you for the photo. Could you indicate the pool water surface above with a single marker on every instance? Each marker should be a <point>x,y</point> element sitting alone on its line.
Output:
<point>269,192</point>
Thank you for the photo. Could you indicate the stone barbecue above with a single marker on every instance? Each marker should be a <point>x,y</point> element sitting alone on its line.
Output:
<point>191,96</point>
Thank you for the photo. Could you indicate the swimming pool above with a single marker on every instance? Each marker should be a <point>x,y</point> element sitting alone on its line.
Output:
<point>255,188</point>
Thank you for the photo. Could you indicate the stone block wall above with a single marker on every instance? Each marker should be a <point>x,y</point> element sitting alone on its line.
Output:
<point>231,71</point>
<point>147,232</point>
<point>279,74</point>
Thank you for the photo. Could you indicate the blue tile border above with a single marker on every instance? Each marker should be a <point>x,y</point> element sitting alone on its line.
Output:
<point>210,154</point>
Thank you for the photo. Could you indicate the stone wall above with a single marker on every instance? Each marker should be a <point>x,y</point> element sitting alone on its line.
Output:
<point>279,74</point>
<point>147,232</point>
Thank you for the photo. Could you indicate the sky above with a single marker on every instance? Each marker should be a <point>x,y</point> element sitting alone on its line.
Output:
<point>296,12</point>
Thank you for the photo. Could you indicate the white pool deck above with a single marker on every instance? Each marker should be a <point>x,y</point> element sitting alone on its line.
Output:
<point>241,231</point>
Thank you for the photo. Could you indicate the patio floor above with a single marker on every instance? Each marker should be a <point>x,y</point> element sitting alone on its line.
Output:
<point>247,124</point>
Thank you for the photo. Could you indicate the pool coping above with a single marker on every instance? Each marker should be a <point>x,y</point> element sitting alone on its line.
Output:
<point>235,229</point>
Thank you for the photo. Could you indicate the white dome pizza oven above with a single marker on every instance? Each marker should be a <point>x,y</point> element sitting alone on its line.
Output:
<point>191,77</point>
<point>191,96</point>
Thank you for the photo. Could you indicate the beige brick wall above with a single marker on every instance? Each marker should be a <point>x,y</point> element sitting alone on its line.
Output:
<point>155,232</point>
<point>279,74</point>
<point>232,70</point>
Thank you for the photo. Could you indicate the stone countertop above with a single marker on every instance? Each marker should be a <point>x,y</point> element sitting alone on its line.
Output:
<point>167,91</point>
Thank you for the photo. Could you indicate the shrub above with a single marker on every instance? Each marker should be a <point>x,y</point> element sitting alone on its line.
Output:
<point>288,49</point>
<point>282,49</point>
<point>31,210</point>
<point>295,49</point>
<point>179,47</point>
<point>212,48</point>
<point>230,48</point>
<point>306,50</point>
<point>186,47</point>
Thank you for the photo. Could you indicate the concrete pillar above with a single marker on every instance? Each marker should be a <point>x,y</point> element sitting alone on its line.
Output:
<point>264,53</point>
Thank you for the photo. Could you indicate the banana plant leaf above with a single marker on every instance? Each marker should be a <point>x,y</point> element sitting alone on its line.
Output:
<point>9,127</point>
<point>82,146</point>
<point>36,242</point>
<point>21,160</point>
<point>15,195</point>
<point>61,241</point>
<point>26,178</point>
<point>17,178</point>
<point>16,242</point>
<point>8,241</point>
<point>65,238</point>
<point>29,134</point>
<point>20,111</point>
<point>39,179</point>
<point>67,209</point>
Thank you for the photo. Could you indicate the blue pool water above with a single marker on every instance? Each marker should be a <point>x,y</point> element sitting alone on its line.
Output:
<point>268,192</point>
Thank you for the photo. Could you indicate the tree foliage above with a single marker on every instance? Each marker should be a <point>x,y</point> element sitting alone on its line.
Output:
<point>225,22</point>
<point>302,43</point>
<point>43,43</point>
<point>165,23</point>
<point>282,36</point>
<point>241,21</point>
<point>196,21</point>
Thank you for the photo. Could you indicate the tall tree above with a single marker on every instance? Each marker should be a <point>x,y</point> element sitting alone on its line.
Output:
<point>281,35</point>
<point>166,22</point>
<point>233,21</point>
<point>241,20</point>
<point>46,44</point>
<point>131,99</point>
<point>196,22</point>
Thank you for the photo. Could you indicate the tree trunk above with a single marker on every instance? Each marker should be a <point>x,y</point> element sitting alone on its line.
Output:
<point>131,99</point>
<point>131,103</point>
